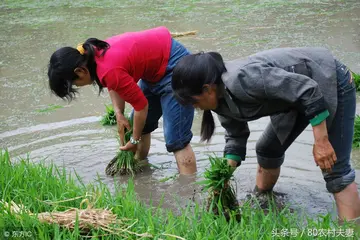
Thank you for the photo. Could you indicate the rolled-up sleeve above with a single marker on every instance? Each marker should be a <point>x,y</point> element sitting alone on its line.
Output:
<point>236,136</point>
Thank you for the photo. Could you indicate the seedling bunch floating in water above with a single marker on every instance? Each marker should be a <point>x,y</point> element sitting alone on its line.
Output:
<point>109,118</point>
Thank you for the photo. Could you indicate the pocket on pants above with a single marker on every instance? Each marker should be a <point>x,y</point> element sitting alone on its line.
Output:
<point>344,80</point>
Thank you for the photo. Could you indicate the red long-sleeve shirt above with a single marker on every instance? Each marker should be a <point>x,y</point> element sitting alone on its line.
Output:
<point>133,56</point>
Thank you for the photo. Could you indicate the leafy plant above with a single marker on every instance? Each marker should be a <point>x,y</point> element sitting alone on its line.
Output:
<point>49,108</point>
<point>356,78</point>
<point>222,197</point>
<point>44,187</point>
<point>356,139</point>
<point>109,118</point>
<point>124,162</point>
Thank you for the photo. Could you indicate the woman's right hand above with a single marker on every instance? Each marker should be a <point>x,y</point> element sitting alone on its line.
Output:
<point>232,163</point>
<point>122,123</point>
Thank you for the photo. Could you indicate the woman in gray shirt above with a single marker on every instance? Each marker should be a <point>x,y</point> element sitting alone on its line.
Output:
<point>295,87</point>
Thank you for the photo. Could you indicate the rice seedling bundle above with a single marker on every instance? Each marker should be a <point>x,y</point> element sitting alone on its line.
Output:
<point>124,162</point>
<point>109,118</point>
<point>222,197</point>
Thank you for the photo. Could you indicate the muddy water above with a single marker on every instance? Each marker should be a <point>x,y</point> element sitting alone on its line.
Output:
<point>71,135</point>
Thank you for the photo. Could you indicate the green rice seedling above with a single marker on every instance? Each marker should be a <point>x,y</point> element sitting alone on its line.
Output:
<point>41,188</point>
<point>356,79</point>
<point>109,118</point>
<point>172,177</point>
<point>49,108</point>
<point>222,197</point>
<point>124,162</point>
<point>356,139</point>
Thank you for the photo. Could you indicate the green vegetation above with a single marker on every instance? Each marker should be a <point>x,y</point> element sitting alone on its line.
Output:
<point>109,118</point>
<point>49,108</point>
<point>124,162</point>
<point>356,139</point>
<point>222,198</point>
<point>356,78</point>
<point>172,177</point>
<point>40,188</point>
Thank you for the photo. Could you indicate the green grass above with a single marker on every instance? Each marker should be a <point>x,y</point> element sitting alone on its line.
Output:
<point>356,78</point>
<point>124,162</point>
<point>109,118</point>
<point>356,139</point>
<point>49,108</point>
<point>222,197</point>
<point>36,185</point>
<point>172,177</point>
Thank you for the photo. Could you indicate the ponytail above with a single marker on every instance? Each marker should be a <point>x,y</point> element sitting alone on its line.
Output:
<point>90,55</point>
<point>190,75</point>
<point>207,126</point>
<point>63,62</point>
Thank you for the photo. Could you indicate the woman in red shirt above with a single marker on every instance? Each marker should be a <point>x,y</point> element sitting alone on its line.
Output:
<point>135,67</point>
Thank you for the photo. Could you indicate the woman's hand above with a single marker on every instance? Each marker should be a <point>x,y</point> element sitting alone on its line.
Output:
<point>138,126</point>
<point>129,147</point>
<point>122,123</point>
<point>232,163</point>
<point>324,153</point>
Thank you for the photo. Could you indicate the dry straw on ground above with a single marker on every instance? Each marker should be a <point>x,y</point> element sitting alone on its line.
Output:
<point>86,219</point>
<point>182,34</point>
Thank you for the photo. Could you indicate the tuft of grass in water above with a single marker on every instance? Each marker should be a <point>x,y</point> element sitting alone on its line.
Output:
<point>356,139</point>
<point>109,118</point>
<point>356,78</point>
<point>49,108</point>
<point>172,177</point>
<point>222,197</point>
<point>47,188</point>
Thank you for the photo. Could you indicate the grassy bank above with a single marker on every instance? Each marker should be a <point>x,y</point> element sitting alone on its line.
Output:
<point>356,139</point>
<point>47,188</point>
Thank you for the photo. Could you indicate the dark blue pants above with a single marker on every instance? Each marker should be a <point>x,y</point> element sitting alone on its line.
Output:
<point>177,118</point>
<point>270,152</point>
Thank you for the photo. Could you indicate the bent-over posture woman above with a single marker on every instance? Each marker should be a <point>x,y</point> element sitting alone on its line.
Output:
<point>295,87</point>
<point>119,63</point>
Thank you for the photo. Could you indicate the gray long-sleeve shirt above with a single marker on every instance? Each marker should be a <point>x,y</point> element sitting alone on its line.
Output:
<point>280,83</point>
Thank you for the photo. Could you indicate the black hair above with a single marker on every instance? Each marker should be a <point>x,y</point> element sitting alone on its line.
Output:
<point>63,63</point>
<point>190,74</point>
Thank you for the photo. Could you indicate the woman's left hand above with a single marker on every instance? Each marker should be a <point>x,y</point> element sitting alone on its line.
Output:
<point>324,155</point>
<point>129,147</point>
